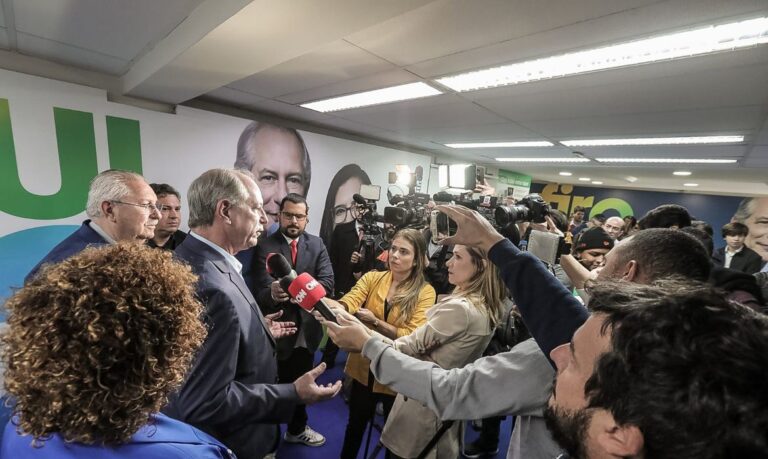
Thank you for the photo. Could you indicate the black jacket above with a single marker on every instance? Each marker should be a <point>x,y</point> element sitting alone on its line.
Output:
<point>747,260</point>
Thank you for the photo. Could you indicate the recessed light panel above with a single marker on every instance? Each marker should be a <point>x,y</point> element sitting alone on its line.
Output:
<point>568,159</point>
<point>712,139</point>
<point>500,144</point>
<point>375,97</point>
<point>704,40</point>
<point>665,161</point>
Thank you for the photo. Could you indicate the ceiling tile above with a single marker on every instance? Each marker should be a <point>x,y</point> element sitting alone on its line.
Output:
<point>595,30</point>
<point>730,119</point>
<point>4,38</point>
<point>118,28</point>
<point>758,157</point>
<point>2,17</point>
<point>403,117</point>
<point>70,55</point>
<point>722,88</point>
<point>451,26</point>
<point>333,63</point>
<point>482,133</point>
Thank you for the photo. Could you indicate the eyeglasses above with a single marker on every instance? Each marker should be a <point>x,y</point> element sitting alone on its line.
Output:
<point>290,216</point>
<point>150,207</point>
<point>340,212</point>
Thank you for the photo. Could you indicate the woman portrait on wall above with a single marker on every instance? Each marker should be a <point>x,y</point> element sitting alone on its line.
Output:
<point>457,330</point>
<point>394,303</point>
<point>94,346</point>
<point>339,207</point>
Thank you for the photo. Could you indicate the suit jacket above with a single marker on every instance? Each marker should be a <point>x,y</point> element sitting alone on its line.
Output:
<point>747,260</point>
<point>231,391</point>
<point>344,241</point>
<point>165,438</point>
<point>73,244</point>
<point>311,258</point>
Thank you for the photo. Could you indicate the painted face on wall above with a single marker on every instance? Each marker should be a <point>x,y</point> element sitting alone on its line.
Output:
<point>757,239</point>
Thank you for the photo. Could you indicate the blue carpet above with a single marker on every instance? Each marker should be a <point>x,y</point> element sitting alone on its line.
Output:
<point>330,419</point>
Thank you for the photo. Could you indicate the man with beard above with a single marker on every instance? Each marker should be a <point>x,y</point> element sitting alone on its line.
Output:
<point>519,378</point>
<point>676,382</point>
<point>307,254</point>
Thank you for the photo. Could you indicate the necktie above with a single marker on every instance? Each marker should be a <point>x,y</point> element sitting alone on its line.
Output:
<point>293,251</point>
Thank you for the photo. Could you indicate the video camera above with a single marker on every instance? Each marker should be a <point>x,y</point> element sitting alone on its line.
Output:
<point>532,208</point>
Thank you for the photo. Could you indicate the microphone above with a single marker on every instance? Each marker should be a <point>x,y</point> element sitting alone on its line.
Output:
<point>359,199</point>
<point>279,268</point>
<point>309,294</point>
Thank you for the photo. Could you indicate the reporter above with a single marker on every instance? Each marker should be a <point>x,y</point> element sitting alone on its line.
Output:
<point>94,346</point>
<point>457,330</point>
<point>393,303</point>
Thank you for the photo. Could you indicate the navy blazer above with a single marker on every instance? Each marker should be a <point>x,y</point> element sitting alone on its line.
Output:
<point>747,260</point>
<point>74,243</point>
<point>311,258</point>
<point>231,392</point>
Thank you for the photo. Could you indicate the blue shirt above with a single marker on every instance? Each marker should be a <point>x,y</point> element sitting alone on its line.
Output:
<point>166,438</point>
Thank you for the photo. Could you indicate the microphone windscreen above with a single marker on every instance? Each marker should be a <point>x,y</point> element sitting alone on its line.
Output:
<point>306,291</point>
<point>277,265</point>
<point>359,199</point>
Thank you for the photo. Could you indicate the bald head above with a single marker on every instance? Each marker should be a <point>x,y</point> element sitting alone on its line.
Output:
<point>614,227</point>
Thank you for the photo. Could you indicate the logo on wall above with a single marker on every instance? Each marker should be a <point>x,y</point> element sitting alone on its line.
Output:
<point>77,161</point>
<point>560,196</point>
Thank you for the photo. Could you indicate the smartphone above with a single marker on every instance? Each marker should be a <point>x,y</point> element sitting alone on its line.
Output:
<point>441,226</point>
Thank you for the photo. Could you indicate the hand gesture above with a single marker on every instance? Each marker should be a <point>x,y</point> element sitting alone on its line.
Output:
<point>278,294</point>
<point>349,334</point>
<point>355,257</point>
<point>472,229</point>
<point>366,316</point>
<point>310,392</point>
<point>279,329</point>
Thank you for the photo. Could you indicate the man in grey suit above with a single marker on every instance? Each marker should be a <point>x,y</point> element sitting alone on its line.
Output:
<point>232,391</point>
<point>307,254</point>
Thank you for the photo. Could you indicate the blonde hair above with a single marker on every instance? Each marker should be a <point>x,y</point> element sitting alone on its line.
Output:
<point>485,288</point>
<point>406,296</point>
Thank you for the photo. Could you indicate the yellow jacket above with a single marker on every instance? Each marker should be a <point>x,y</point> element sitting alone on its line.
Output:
<point>371,291</point>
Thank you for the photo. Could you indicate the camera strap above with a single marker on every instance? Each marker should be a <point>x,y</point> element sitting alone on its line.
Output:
<point>435,438</point>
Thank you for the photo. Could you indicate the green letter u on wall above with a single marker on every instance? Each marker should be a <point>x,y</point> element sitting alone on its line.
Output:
<point>77,159</point>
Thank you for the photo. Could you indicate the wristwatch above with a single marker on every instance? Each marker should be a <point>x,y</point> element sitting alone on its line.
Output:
<point>376,323</point>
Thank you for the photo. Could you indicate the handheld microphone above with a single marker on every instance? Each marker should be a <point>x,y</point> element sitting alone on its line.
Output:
<point>279,268</point>
<point>309,294</point>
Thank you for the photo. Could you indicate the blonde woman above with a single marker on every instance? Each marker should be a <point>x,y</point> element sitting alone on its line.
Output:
<point>393,303</point>
<point>457,330</point>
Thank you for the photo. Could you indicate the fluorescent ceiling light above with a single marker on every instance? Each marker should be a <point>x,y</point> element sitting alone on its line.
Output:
<point>690,184</point>
<point>655,141</point>
<point>375,97</point>
<point>695,42</point>
<point>584,179</point>
<point>630,179</point>
<point>681,173</point>
<point>500,144</point>
<point>568,159</point>
<point>566,174</point>
<point>665,160</point>
<point>596,182</point>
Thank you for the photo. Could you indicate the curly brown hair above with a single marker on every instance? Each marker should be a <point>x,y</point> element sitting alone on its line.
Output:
<point>96,343</point>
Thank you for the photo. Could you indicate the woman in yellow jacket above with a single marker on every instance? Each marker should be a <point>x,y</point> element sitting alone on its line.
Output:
<point>393,303</point>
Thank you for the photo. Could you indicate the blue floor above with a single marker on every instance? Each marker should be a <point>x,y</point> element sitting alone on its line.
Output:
<point>330,419</point>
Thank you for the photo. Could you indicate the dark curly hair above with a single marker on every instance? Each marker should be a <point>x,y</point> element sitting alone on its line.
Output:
<point>97,342</point>
<point>686,366</point>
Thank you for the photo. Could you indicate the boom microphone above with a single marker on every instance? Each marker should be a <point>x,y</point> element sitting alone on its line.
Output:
<point>359,199</point>
<point>279,268</point>
<point>309,294</point>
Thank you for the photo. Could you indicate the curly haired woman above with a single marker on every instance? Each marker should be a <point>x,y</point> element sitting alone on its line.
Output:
<point>94,346</point>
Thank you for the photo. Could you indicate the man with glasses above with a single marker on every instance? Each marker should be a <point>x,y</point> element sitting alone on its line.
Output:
<point>307,254</point>
<point>167,233</point>
<point>121,206</point>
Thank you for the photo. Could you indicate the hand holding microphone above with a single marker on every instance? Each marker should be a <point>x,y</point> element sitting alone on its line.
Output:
<point>279,268</point>
<point>309,294</point>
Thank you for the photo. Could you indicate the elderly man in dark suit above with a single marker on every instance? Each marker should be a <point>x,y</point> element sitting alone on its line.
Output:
<point>307,254</point>
<point>232,392</point>
<point>121,207</point>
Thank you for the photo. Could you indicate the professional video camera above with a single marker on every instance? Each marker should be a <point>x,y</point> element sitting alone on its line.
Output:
<point>532,208</point>
<point>407,211</point>
<point>373,240</point>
